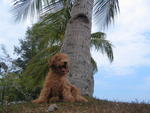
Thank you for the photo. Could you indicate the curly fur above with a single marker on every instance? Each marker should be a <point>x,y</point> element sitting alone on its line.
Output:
<point>56,86</point>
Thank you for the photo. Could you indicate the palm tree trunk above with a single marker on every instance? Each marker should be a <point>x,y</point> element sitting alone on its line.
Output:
<point>77,46</point>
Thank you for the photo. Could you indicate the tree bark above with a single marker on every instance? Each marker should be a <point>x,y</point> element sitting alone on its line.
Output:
<point>77,46</point>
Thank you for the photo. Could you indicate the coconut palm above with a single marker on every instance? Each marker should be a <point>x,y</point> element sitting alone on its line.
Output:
<point>78,31</point>
<point>46,38</point>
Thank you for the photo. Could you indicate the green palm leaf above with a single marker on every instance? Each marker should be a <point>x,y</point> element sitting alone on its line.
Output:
<point>99,42</point>
<point>38,66</point>
<point>105,11</point>
<point>24,9</point>
<point>94,65</point>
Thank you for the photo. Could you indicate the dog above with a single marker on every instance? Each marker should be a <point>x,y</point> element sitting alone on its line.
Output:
<point>56,86</point>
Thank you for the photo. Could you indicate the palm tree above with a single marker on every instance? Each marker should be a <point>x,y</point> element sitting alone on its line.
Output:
<point>78,31</point>
<point>44,39</point>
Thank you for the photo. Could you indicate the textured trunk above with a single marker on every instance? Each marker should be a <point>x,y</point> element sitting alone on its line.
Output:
<point>77,46</point>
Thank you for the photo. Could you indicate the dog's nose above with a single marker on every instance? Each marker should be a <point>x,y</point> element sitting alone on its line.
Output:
<point>65,63</point>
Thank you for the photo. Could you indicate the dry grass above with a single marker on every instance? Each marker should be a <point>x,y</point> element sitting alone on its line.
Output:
<point>93,106</point>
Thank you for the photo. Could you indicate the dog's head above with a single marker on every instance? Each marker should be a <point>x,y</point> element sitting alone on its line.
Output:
<point>59,63</point>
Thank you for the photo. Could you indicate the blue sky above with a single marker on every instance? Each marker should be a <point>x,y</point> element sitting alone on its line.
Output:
<point>128,77</point>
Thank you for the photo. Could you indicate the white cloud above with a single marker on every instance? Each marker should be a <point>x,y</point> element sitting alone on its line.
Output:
<point>128,36</point>
<point>7,1</point>
<point>10,31</point>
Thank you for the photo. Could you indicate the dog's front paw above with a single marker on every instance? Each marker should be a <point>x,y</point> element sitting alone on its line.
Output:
<point>81,99</point>
<point>69,99</point>
<point>54,99</point>
<point>39,101</point>
<point>84,100</point>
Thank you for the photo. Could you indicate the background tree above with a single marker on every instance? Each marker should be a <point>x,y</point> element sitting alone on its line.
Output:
<point>10,83</point>
<point>78,31</point>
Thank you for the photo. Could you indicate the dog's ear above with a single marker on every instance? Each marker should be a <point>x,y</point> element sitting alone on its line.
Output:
<point>52,61</point>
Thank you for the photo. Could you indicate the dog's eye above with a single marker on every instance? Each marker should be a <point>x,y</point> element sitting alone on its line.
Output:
<point>59,66</point>
<point>65,63</point>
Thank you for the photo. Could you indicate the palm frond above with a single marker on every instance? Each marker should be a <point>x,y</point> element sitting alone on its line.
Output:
<point>99,42</point>
<point>24,9</point>
<point>105,11</point>
<point>47,37</point>
<point>38,65</point>
<point>94,66</point>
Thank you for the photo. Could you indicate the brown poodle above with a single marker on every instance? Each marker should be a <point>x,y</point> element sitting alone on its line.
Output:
<point>56,85</point>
